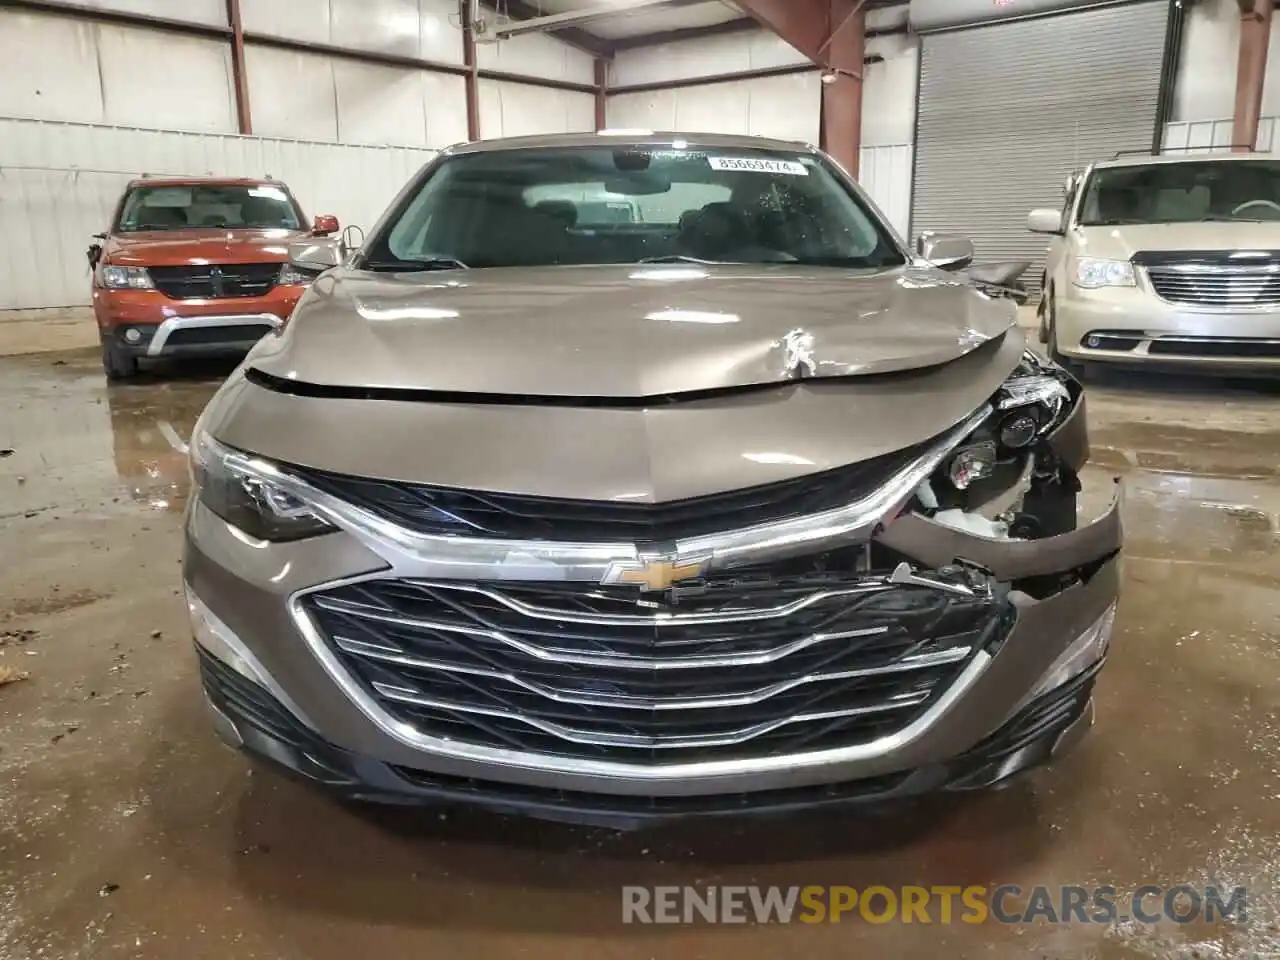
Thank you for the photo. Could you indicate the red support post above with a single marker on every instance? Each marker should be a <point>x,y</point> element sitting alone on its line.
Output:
<point>239,76</point>
<point>1251,71</point>
<point>602,94</point>
<point>471,79</point>
<point>845,49</point>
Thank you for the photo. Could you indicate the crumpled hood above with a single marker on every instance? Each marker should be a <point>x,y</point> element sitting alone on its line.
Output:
<point>1122,242</point>
<point>625,331</point>
<point>171,248</point>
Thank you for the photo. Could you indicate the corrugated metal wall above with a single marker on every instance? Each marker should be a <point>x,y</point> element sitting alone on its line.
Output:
<point>1006,111</point>
<point>59,183</point>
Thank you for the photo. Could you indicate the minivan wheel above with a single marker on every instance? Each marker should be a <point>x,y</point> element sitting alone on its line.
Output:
<point>117,364</point>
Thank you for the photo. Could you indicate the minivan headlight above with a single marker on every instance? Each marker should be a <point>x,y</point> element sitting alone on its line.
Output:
<point>247,493</point>
<point>1092,273</point>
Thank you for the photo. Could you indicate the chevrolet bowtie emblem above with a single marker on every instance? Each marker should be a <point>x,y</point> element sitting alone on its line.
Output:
<point>654,573</point>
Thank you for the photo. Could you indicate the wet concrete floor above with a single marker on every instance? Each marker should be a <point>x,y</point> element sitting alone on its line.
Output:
<point>128,830</point>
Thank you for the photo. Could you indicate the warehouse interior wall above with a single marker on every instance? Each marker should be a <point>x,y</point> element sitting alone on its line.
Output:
<point>1206,82</point>
<point>121,100</point>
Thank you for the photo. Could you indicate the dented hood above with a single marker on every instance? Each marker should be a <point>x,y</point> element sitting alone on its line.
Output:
<point>625,331</point>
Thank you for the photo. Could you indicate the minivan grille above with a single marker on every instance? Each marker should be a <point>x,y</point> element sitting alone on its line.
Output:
<point>436,510</point>
<point>216,281</point>
<point>1214,279</point>
<point>745,670</point>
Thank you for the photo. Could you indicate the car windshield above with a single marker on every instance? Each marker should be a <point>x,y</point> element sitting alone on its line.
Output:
<point>627,204</point>
<point>227,206</point>
<point>1183,193</point>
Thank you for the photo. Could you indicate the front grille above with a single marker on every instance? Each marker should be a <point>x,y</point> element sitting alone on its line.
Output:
<point>217,281</point>
<point>239,333</point>
<point>750,668</point>
<point>1242,348</point>
<point>427,509</point>
<point>1214,279</point>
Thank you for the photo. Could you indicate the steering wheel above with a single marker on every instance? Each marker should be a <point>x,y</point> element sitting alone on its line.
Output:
<point>1256,203</point>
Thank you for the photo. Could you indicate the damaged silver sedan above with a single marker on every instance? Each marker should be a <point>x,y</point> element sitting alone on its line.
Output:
<point>628,477</point>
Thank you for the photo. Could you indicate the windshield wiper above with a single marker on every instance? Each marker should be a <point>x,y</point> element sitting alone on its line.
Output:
<point>677,258</point>
<point>417,265</point>
<point>1228,218</point>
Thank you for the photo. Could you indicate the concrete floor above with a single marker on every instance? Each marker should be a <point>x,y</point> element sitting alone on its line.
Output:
<point>128,830</point>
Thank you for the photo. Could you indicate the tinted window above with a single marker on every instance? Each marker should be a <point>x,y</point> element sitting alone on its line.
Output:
<point>602,205</point>
<point>208,206</point>
<point>1183,193</point>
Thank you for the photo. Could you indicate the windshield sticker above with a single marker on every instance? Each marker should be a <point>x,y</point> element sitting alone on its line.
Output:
<point>788,168</point>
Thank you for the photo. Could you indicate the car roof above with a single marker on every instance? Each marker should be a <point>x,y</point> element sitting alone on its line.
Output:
<point>1146,160</point>
<point>205,181</point>
<point>630,138</point>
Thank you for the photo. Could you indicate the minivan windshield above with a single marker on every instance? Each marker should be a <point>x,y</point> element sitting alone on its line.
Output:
<point>630,204</point>
<point>196,206</point>
<point>1182,193</point>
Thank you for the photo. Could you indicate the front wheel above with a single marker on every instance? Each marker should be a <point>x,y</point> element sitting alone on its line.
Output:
<point>117,364</point>
<point>1050,337</point>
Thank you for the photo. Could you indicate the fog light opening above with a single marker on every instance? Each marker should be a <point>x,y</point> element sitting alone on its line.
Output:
<point>132,335</point>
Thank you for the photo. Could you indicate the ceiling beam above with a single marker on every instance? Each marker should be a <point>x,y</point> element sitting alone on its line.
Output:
<point>571,18</point>
<point>741,25</point>
<point>574,36</point>
<point>805,24</point>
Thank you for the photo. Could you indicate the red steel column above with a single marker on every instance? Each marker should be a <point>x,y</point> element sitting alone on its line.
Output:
<point>602,94</point>
<point>1251,71</point>
<point>842,86</point>
<point>472,77</point>
<point>239,77</point>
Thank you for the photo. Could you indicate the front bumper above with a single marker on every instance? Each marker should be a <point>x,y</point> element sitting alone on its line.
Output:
<point>148,324</point>
<point>1134,326</point>
<point>247,616</point>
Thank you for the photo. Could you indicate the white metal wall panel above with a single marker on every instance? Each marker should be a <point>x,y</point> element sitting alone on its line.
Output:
<point>210,12</point>
<point>312,96</point>
<point>59,183</point>
<point>62,87</point>
<point>427,29</point>
<point>1214,136</point>
<point>1006,111</point>
<point>788,107</point>
<point>162,79</point>
<point>1206,85</point>
<point>509,109</point>
<point>536,55</point>
<point>60,68</point>
<point>706,57</point>
<point>291,94</point>
<point>885,173</point>
<point>889,94</point>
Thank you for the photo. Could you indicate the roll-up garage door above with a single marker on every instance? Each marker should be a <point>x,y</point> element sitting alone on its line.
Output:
<point>1007,110</point>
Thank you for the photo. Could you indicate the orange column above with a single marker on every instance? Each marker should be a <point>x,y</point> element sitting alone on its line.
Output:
<point>1251,71</point>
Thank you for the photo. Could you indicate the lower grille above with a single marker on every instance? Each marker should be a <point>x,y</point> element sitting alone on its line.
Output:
<point>216,281</point>
<point>746,670</point>
<point>194,336</point>
<point>1213,347</point>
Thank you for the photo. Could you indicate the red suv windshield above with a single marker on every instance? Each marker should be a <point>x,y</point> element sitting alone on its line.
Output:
<point>209,206</point>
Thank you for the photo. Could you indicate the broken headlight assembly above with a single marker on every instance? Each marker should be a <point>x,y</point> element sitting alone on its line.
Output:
<point>1004,480</point>
<point>245,492</point>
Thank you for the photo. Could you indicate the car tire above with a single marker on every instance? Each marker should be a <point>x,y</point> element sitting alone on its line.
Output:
<point>117,364</point>
<point>1074,367</point>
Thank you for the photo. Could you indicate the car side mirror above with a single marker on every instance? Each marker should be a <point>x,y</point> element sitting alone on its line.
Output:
<point>324,224</point>
<point>352,239</point>
<point>1045,221</point>
<point>315,255</point>
<point>945,251</point>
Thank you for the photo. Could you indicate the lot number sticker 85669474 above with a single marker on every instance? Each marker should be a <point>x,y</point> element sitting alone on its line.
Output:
<point>788,168</point>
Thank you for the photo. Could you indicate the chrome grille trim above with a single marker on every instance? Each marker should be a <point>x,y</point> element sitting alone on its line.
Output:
<point>574,735</point>
<point>556,655</point>
<point>657,619</point>
<point>906,665</point>
<point>1214,285</point>
<point>695,776</point>
<point>418,556</point>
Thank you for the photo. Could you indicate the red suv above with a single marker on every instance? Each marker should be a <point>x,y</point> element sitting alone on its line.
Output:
<point>194,267</point>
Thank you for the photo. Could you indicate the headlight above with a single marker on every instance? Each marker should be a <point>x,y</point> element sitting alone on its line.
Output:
<point>240,489</point>
<point>291,276</point>
<point>126,278</point>
<point>1092,273</point>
